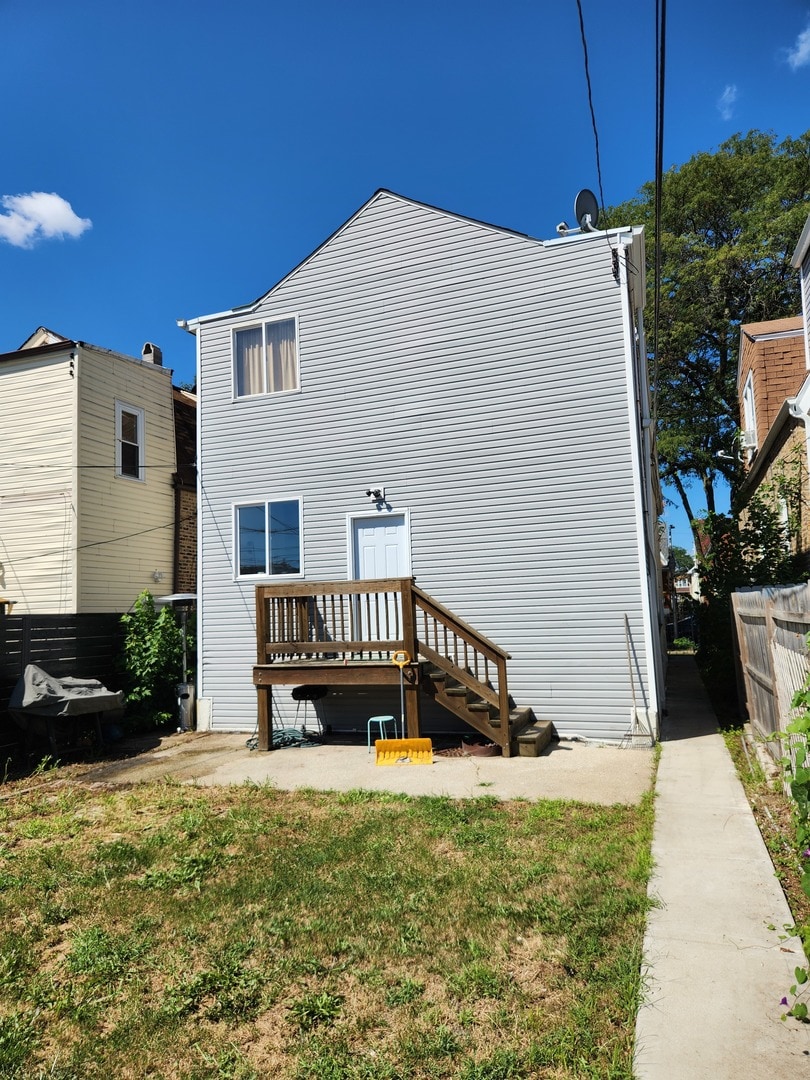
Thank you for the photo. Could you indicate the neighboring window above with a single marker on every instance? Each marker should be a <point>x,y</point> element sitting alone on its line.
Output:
<point>269,538</point>
<point>265,359</point>
<point>749,417</point>
<point>129,441</point>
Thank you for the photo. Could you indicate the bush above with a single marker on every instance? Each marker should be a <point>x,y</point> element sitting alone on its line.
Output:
<point>683,643</point>
<point>153,659</point>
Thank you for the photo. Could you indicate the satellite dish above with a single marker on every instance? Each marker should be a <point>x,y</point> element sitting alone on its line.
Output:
<point>586,210</point>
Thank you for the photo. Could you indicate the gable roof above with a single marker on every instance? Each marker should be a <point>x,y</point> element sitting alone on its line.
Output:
<point>379,194</point>
<point>43,336</point>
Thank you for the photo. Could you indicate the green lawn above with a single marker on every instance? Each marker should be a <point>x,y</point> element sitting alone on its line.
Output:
<point>168,931</point>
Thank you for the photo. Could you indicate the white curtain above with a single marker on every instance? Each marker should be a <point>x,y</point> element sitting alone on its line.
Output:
<point>282,365</point>
<point>249,362</point>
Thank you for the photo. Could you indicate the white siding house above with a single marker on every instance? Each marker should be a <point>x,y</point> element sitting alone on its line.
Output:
<point>492,388</point>
<point>87,501</point>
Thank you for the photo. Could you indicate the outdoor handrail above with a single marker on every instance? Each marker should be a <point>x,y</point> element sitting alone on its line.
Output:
<point>356,620</point>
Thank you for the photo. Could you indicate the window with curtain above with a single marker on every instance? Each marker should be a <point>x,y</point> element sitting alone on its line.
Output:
<point>268,538</point>
<point>265,358</point>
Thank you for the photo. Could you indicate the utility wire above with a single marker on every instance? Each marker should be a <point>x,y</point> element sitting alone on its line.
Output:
<point>61,465</point>
<point>590,104</point>
<point>112,540</point>
<point>660,57</point>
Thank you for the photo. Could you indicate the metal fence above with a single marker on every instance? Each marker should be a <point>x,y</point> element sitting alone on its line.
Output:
<point>772,625</point>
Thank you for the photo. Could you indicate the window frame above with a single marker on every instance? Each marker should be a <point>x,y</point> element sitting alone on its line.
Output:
<point>749,417</point>
<point>122,407</point>
<point>267,573</point>
<point>262,325</point>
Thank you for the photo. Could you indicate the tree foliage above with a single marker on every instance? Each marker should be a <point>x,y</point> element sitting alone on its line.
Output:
<point>683,560</point>
<point>730,222</point>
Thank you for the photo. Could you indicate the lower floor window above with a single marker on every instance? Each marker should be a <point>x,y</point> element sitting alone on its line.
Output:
<point>269,538</point>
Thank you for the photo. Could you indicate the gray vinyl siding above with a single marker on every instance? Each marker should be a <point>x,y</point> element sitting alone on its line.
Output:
<point>482,378</point>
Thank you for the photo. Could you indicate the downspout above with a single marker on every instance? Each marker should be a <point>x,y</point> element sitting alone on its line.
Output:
<point>204,704</point>
<point>74,366</point>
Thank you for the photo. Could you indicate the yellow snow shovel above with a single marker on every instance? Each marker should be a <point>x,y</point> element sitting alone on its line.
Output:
<point>404,752</point>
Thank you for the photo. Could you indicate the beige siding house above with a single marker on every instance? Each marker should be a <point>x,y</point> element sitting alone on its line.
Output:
<point>87,497</point>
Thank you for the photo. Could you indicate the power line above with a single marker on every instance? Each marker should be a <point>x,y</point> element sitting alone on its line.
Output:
<point>104,543</point>
<point>590,105</point>
<point>62,465</point>
<point>660,56</point>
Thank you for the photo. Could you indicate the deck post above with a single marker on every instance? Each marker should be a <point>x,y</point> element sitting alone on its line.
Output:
<point>265,728</point>
<point>504,711</point>
<point>410,643</point>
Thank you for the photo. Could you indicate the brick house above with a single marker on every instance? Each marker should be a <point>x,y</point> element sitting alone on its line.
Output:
<point>772,371</point>
<point>185,491</point>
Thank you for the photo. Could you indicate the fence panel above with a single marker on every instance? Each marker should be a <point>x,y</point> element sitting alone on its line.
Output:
<point>90,646</point>
<point>772,626</point>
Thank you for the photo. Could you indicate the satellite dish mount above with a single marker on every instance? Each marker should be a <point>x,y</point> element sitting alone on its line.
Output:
<point>586,210</point>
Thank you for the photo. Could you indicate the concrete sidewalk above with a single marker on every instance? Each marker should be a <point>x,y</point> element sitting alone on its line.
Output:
<point>715,972</point>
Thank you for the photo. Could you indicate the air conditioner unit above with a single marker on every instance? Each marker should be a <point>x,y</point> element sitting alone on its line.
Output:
<point>748,440</point>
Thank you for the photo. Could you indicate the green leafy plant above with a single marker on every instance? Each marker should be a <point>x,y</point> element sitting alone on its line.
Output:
<point>753,548</point>
<point>153,658</point>
<point>313,1009</point>
<point>683,643</point>
<point>797,772</point>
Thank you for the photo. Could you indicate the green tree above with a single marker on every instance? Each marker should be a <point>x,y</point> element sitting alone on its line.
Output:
<point>683,560</point>
<point>730,221</point>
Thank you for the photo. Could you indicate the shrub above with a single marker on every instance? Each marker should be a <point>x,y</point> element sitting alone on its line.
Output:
<point>153,658</point>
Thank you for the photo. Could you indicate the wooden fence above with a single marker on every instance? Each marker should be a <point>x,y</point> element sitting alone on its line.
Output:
<point>89,646</point>
<point>772,626</point>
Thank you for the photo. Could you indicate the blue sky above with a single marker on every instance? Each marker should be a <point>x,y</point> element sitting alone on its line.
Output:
<point>199,151</point>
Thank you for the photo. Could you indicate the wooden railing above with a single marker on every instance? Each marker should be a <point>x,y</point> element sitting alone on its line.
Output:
<point>344,620</point>
<point>356,621</point>
<point>469,657</point>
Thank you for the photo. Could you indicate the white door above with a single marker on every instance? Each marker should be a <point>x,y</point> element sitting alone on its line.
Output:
<point>380,550</point>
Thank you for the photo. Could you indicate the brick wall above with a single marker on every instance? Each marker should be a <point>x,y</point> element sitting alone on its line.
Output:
<point>778,368</point>
<point>186,539</point>
<point>787,459</point>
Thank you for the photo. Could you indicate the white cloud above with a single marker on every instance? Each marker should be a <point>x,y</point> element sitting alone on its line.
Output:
<point>39,216</point>
<point>725,103</point>
<point>799,55</point>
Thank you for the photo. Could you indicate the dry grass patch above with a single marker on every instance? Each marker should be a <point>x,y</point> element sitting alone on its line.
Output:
<point>245,932</point>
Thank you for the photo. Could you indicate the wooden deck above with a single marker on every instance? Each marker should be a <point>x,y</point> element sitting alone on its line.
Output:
<point>354,632</point>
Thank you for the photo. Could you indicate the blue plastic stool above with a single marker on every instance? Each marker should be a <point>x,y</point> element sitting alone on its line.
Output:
<point>382,723</point>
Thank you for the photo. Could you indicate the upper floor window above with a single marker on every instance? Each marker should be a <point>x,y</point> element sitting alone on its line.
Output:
<point>268,538</point>
<point>749,416</point>
<point>129,442</point>
<point>265,358</point>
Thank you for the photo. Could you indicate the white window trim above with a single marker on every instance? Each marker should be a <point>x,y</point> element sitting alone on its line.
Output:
<point>261,324</point>
<point>749,417</point>
<point>265,502</point>
<point>120,408</point>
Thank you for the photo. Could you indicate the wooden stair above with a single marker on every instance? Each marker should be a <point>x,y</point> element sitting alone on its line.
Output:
<point>481,715</point>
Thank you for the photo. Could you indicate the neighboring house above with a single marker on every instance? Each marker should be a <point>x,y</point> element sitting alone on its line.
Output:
<point>771,374</point>
<point>90,489</point>
<point>434,396</point>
